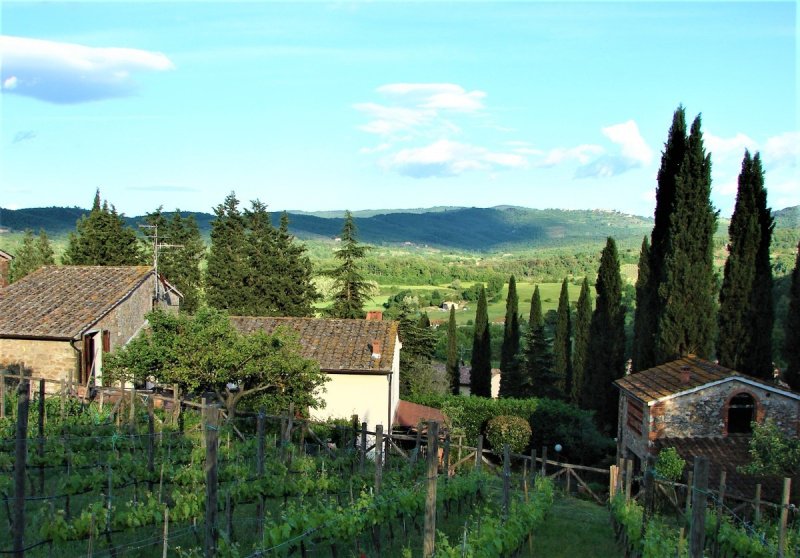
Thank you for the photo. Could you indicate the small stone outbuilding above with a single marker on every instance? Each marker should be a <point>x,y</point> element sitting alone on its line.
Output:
<point>57,322</point>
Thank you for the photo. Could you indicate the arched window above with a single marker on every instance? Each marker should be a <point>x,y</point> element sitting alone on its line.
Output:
<point>741,414</point>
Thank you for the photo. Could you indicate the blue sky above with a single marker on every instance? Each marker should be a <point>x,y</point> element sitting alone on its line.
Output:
<point>317,106</point>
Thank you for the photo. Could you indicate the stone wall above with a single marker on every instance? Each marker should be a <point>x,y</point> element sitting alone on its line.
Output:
<point>54,360</point>
<point>127,319</point>
<point>5,272</point>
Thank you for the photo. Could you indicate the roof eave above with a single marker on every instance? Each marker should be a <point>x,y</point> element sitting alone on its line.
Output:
<point>742,379</point>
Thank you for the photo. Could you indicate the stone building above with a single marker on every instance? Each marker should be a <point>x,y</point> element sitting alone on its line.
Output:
<point>699,408</point>
<point>5,268</point>
<point>57,322</point>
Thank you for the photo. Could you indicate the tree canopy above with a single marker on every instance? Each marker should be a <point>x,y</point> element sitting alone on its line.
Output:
<point>510,380</point>
<point>351,289</point>
<point>32,254</point>
<point>580,355</point>
<point>540,379</point>
<point>480,381</point>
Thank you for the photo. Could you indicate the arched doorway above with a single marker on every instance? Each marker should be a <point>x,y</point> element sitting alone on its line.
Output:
<point>741,414</point>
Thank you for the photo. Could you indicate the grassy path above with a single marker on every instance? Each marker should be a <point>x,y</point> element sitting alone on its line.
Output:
<point>575,528</point>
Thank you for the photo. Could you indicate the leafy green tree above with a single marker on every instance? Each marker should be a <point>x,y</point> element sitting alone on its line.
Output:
<point>540,379</point>
<point>351,289</point>
<point>745,317</point>
<point>580,354</point>
<point>791,347</point>
<point>419,343</point>
<point>453,369</point>
<point>562,343</point>
<point>32,254</point>
<point>205,353</point>
<point>606,341</point>
<point>227,265</point>
<point>179,262</point>
<point>510,381</point>
<point>687,291</point>
<point>102,238</point>
<point>643,324</point>
<point>772,452</point>
<point>481,364</point>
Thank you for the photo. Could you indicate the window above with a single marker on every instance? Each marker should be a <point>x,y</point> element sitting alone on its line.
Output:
<point>635,415</point>
<point>741,413</point>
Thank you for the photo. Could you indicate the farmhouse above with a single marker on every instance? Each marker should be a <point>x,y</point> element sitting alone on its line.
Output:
<point>5,268</point>
<point>361,358</point>
<point>700,408</point>
<point>58,321</point>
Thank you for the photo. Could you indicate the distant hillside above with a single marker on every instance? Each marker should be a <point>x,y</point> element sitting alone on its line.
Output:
<point>472,229</point>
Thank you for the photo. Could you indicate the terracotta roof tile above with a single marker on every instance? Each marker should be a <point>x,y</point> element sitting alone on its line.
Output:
<point>6,256</point>
<point>63,301</point>
<point>335,344</point>
<point>410,414</point>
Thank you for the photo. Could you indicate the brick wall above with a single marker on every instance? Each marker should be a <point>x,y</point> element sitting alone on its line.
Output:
<point>54,360</point>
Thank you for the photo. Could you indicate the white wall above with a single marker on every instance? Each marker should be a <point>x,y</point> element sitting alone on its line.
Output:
<point>357,394</point>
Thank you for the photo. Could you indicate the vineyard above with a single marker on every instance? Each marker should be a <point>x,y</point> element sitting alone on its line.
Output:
<point>143,479</point>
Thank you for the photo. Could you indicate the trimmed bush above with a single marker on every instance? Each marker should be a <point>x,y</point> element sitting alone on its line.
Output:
<point>511,430</point>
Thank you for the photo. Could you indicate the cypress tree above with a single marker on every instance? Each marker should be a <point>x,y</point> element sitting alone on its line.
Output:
<point>562,343</point>
<point>745,313</point>
<point>791,347</point>
<point>259,297</point>
<point>540,379</point>
<point>480,382</point>
<point>606,341</point>
<point>351,289</point>
<point>686,293</point>
<point>419,344</point>
<point>292,292</point>
<point>453,372</point>
<point>227,259</point>
<point>32,254</point>
<point>643,334</point>
<point>509,379</point>
<point>580,355</point>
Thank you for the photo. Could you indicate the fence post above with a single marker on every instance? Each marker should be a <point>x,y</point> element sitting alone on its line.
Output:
<point>649,488</point>
<point>506,479</point>
<point>40,449</point>
<point>544,461</point>
<point>261,434</point>
<point>132,417</point>
<point>757,503</point>
<point>479,453</point>
<point>211,436</point>
<point>166,533</point>
<point>151,434</point>
<point>176,406</point>
<point>533,464</point>
<point>446,457</point>
<point>354,426</point>
<point>612,481</point>
<point>3,394</point>
<point>628,479</point>
<point>417,443</point>
<point>363,453</point>
<point>723,475</point>
<point>697,535</point>
<point>429,543</point>
<point>20,459</point>
<point>787,487</point>
<point>378,457</point>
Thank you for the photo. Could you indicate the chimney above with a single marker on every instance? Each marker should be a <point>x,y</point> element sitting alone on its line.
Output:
<point>686,374</point>
<point>376,349</point>
<point>375,315</point>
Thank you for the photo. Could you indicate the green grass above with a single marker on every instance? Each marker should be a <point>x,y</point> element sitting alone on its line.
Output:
<point>574,528</point>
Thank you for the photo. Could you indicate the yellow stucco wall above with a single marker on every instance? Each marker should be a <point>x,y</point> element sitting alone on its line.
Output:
<point>43,359</point>
<point>356,394</point>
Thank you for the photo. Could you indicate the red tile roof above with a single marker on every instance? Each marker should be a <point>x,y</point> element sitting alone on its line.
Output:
<point>411,414</point>
<point>6,256</point>
<point>61,302</point>
<point>337,345</point>
<point>668,379</point>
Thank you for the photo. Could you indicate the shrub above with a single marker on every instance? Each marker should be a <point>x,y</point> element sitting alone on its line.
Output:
<point>669,464</point>
<point>511,430</point>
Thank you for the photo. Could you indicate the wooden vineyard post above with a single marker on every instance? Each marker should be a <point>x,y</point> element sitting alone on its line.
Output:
<point>757,504</point>
<point>166,532</point>
<point>649,489</point>
<point>628,479</point>
<point>612,481</point>
<point>479,454</point>
<point>176,403</point>
<point>697,534</point>
<point>544,461</point>
<point>40,445</point>
<point>20,460</point>
<point>354,427</point>
<point>3,394</point>
<point>787,487</point>
<point>689,483</point>
<point>446,458</point>
<point>362,454</point>
<point>506,480</point>
<point>261,433</point>
<point>533,464</point>
<point>211,436</point>
<point>429,542</point>
<point>723,475</point>
<point>132,417</point>
<point>151,434</point>
<point>417,444</point>
<point>203,419</point>
<point>378,458</point>
<point>289,428</point>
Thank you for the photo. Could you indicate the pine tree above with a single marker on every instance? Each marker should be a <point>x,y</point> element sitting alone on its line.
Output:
<point>580,355</point>
<point>480,383</point>
<point>606,341</point>
<point>102,238</point>
<point>540,378</point>
<point>643,334</point>
<point>227,259</point>
<point>258,291</point>
<point>745,313</point>
<point>32,254</point>
<point>791,347</point>
<point>419,344</point>
<point>351,289</point>
<point>453,369</point>
<point>510,377</point>
<point>687,298</point>
<point>562,343</point>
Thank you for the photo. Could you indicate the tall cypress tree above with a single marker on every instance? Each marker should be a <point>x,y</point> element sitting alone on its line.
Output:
<point>480,382</point>
<point>510,378</point>
<point>540,379</point>
<point>562,343</point>
<point>686,294</point>
<point>351,289</point>
<point>606,341</point>
<point>791,347</point>
<point>294,293</point>
<point>643,334</point>
<point>580,355</point>
<point>227,266</point>
<point>453,370</point>
<point>745,313</point>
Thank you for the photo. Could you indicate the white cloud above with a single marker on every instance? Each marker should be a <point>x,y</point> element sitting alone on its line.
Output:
<point>582,154</point>
<point>388,120</point>
<point>377,149</point>
<point>722,148</point>
<point>441,96</point>
<point>450,158</point>
<point>782,150</point>
<point>70,73</point>
<point>627,136</point>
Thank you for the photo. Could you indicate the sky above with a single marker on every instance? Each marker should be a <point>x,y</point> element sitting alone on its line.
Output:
<point>371,105</point>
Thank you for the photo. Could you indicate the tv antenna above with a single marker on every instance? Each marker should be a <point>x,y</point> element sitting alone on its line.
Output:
<point>157,246</point>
